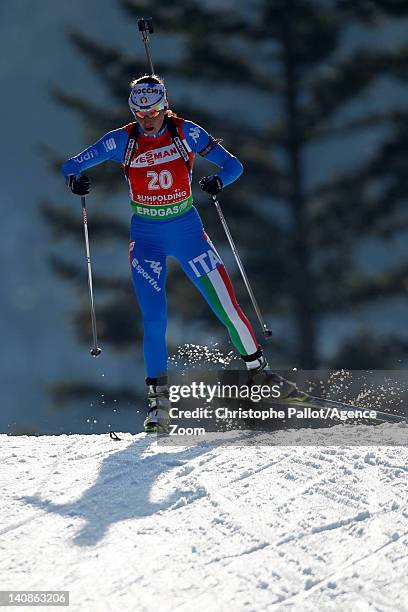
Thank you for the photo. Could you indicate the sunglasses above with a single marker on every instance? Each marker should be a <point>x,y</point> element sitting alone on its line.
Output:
<point>152,114</point>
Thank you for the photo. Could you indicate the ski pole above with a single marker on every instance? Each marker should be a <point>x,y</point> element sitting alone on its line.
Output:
<point>95,350</point>
<point>266,332</point>
<point>145,25</point>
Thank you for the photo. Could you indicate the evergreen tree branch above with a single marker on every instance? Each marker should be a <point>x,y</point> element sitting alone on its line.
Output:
<point>361,290</point>
<point>341,82</point>
<point>65,223</point>
<point>75,274</point>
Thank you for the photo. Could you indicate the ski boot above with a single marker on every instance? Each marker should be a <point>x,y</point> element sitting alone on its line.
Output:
<point>157,419</point>
<point>260,374</point>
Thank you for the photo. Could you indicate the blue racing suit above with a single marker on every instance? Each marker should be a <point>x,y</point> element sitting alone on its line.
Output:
<point>165,222</point>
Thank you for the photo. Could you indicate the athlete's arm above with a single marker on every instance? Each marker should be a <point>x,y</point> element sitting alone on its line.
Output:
<point>111,146</point>
<point>202,143</point>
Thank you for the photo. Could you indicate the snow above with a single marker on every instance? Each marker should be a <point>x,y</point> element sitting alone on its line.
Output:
<point>134,525</point>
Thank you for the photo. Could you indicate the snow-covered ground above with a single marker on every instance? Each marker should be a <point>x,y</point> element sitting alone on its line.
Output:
<point>133,525</point>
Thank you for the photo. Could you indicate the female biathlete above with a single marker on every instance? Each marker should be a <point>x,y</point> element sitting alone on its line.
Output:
<point>157,153</point>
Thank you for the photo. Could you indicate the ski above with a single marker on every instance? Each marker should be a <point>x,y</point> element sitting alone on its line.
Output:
<point>304,400</point>
<point>310,401</point>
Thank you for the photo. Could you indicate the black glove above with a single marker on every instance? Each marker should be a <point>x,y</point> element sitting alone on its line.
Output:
<point>211,184</point>
<point>79,185</point>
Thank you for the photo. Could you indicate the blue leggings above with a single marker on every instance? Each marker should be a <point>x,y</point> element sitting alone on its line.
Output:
<point>183,237</point>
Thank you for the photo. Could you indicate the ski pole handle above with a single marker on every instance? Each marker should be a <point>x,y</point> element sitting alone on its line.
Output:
<point>145,25</point>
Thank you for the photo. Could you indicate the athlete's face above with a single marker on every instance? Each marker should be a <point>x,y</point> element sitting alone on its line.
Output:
<point>150,124</point>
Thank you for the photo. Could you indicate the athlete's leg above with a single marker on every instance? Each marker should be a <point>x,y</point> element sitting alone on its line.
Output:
<point>204,267</point>
<point>148,265</point>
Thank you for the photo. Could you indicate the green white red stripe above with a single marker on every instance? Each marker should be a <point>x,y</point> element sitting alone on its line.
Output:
<point>218,288</point>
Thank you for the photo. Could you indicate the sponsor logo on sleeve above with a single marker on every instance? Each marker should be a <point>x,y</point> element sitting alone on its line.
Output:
<point>194,133</point>
<point>109,144</point>
<point>86,156</point>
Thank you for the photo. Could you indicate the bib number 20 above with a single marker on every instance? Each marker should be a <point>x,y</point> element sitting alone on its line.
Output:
<point>162,179</point>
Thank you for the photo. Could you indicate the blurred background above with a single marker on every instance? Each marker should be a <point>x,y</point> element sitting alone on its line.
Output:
<point>310,95</point>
